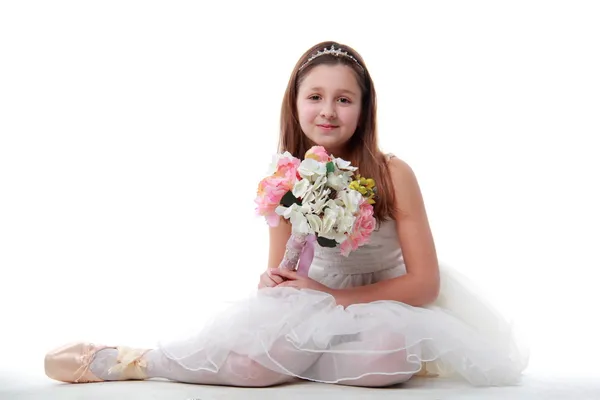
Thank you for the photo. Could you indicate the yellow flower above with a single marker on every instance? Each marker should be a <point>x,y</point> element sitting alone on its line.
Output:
<point>365,186</point>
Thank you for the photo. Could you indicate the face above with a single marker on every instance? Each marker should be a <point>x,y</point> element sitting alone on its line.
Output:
<point>329,100</point>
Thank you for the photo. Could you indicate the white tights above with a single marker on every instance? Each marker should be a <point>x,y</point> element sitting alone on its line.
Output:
<point>377,370</point>
<point>373,370</point>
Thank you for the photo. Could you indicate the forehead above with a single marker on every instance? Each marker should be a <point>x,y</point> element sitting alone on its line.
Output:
<point>331,77</point>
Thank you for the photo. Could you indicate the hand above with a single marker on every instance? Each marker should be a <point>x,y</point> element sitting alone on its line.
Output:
<point>267,279</point>
<point>292,279</point>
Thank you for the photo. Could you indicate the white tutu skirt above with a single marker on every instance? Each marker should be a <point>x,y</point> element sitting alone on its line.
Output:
<point>303,333</point>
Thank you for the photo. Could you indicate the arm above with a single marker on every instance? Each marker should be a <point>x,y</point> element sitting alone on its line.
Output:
<point>420,285</point>
<point>278,237</point>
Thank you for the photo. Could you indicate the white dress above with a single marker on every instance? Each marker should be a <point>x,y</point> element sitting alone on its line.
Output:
<point>303,333</point>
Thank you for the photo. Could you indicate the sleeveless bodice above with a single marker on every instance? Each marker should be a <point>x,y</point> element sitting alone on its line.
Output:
<point>380,259</point>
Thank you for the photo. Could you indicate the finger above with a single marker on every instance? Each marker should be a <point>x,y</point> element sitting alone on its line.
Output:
<point>266,281</point>
<point>276,279</point>
<point>269,282</point>
<point>285,273</point>
<point>262,284</point>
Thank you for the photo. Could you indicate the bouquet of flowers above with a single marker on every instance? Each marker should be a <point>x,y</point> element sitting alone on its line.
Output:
<point>325,201</point>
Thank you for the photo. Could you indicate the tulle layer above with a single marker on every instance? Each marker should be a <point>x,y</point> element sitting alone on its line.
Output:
<point>303,333</point>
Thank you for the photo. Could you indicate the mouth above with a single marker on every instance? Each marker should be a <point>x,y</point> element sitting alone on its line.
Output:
<point>327,127</point>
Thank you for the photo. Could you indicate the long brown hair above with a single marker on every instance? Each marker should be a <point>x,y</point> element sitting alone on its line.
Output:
<point>362,148</point>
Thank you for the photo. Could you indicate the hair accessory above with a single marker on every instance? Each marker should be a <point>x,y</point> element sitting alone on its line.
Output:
<point>331,51</point>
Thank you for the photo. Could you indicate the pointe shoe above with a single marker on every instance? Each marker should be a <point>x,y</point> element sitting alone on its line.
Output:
<point>71,363</point>
<point>426,371</point>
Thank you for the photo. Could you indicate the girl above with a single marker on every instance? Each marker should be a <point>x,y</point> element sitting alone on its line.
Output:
<point>376,318</point>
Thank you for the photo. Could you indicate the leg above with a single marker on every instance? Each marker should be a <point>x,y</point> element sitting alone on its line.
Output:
<point>85,362</point>
<point>237,370</point>
<point>372,370</point>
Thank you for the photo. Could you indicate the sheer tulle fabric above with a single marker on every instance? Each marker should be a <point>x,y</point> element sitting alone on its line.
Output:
<point>303,333</point>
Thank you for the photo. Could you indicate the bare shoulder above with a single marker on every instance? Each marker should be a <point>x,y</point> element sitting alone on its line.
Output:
<point>406,186</point>
<point>399,169</point>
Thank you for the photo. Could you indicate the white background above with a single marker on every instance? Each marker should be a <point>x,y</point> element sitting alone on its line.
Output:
<point>133,134</point>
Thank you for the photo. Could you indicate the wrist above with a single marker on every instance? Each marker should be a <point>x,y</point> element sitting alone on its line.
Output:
<point>340,296</point>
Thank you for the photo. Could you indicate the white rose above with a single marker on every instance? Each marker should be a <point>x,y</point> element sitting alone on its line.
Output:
<point>343,164</point>
<point>330,216</point>
<point>301,188</point>
<point>350,200</point>
<point>297,216</point>
<point>314,222</point>
<point>336,182</point>
<point>275,161</point>
<point>311,169</point>
<point>345,223</point>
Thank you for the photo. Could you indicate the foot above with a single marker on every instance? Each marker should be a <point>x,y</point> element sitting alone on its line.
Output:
<point>86,362</point>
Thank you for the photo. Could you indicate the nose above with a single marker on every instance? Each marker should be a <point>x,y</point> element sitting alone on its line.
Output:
<point>328,111</point>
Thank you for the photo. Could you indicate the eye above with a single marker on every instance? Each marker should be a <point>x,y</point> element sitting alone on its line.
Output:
<point>314,97</point>
<point>345,100</point>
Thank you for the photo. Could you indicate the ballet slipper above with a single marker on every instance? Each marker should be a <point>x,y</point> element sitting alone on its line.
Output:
<point>425,373</point>
<point>71,363</point>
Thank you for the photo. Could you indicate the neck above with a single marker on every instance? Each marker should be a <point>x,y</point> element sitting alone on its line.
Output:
<point>342,153</point>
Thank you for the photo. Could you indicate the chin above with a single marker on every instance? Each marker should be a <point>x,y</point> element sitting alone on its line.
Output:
<point>325,141</point>
<point>331,143</point>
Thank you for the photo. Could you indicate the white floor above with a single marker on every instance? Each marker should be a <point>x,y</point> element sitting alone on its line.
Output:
<point>19,385</point>
<point>22,377</point>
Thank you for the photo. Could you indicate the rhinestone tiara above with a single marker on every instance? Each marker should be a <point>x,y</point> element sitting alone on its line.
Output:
<point>332,51</point>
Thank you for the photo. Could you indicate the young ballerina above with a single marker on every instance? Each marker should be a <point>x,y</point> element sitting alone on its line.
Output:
<point>376,318</point>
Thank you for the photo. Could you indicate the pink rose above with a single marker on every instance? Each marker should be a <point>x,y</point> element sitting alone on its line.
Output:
<point>286,168</point>
<point>361,230</point>
<point>270,191</point>
<point>272,188</point>
<point>317,153</point>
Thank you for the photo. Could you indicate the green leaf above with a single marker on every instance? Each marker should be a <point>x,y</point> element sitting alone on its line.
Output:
<point>288,199</point>
<point>330,166</point>
<point>324,242</point>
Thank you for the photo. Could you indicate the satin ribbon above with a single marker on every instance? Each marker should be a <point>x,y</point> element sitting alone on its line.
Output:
<point>130,364</point>
<point>306,255</point>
